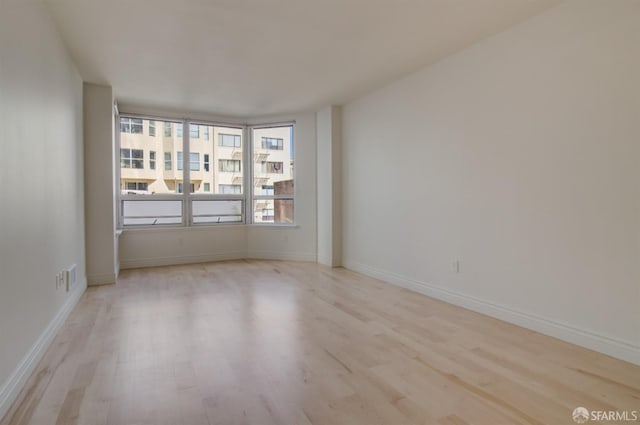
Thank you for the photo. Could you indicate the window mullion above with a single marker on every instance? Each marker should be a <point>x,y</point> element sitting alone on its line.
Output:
<point>186,176</point>
<point>118,167</point>
<point>248,174</point>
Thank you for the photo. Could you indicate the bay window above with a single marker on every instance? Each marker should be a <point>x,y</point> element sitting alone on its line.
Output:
<point>208,192</point>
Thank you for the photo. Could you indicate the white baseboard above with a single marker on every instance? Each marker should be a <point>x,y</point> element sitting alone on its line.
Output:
<point>616,348</point>
<point>101,279</point>
<point>186,259</point>
<point>285,256</point>
<point>13,385</point>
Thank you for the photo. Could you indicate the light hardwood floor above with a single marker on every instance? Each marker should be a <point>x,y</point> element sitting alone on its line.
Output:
<point>265,342</point>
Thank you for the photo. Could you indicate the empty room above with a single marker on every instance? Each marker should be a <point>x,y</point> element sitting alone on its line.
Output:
<point>341,212</point>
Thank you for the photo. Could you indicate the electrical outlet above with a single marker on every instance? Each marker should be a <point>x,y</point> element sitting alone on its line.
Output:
<point>70,277</point>
<point>59,280</point>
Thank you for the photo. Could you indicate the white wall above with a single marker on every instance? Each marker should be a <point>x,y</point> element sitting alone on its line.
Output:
<point>99,184</point>
<point>153,247</point>
<point>41,184</point>
<point>181,245</point>
<point>519,157</point>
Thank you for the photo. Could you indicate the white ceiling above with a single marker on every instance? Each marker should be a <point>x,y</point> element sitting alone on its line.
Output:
<point>264,57</point>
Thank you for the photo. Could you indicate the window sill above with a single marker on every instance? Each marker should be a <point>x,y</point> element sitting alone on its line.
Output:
<point>201,227</point>
<point>274,225</point>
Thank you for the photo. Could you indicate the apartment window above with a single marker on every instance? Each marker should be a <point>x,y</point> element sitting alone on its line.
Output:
<point>137,205</point>
<point>268,214</point>
<point>229,165</point>
<point>131,158</point>
<point>230,189</point>
<point>181,187</point>
<point>273,199</point>
<point>270,167</point>
<point>137,186</point>
<point>272,143</point>
<point>229,140</point>
<point>131,125</point>
<point>183,196</point>
<point>194,161</point>
<point>194,131</point>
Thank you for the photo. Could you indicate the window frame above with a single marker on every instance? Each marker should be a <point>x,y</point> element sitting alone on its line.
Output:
<point>234,146</point>
<point>137,185</point>
<point>257,197</point>
<point>248,197</point>
<point>193,162</point>
<point>130,124</point>
<point>265,167</point>
<point>269,188</point>
<point>131,158</point>
<point>229,186</point>
<point>194,129</point>
<point>266,146</point>
<point>228,161</point>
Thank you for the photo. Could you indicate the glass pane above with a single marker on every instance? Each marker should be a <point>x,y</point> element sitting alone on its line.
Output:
<point>194,161</point>
<point>139,149</point>
<point>136,125</point>
<point>217,211</point>
<point>273,211</point>
<point>179,161</point>
<point>194,131</point>
<point>216,160</point>
<point>151,212</point>
<point>266,190</point>
<point>273,173</point>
